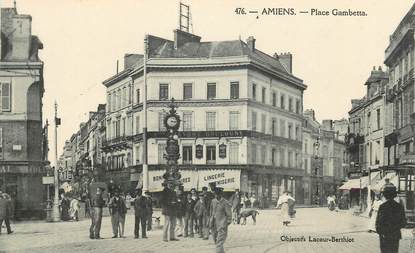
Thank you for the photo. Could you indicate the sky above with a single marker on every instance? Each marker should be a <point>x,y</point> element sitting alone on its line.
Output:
<point>83,39</point>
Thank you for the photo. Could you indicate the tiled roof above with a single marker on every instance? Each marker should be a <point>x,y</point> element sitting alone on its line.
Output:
<point>215,49</point>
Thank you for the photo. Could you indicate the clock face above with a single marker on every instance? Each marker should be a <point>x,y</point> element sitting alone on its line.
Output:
<point>172,121</point>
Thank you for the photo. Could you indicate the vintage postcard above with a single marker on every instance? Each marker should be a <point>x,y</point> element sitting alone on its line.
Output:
<point>207,126</point>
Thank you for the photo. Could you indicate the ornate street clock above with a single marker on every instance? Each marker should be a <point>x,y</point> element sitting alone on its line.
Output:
<point>172,121</point>
<point>172,124</point>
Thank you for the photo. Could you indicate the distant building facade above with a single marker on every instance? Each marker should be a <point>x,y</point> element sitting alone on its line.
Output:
<point>366,138</point>
<point>325,158</point>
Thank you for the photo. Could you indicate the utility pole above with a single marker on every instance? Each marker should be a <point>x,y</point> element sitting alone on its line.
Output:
<point>55,210</point>
<point>145,165</point>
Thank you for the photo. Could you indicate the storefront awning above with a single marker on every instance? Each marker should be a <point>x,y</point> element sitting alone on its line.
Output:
<point>392,178</point>
<point>358,183</point>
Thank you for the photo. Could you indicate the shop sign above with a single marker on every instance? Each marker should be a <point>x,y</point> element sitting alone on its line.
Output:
<point>21,169</point>
<point>189,179</point>
<point>222,151</point>
<point>407,159</point>
<point>229,180</point>
<point>48,180</point>
<point>199,151</point>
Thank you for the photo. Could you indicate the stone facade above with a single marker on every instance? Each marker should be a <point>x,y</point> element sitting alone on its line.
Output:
<point>23,146</point>
<point>238,115</point>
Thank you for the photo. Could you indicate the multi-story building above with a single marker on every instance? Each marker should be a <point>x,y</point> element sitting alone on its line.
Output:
<point>399,130</point>
<point>366,138</point>
<point>82,154</point>
<point>323,159</point>
<point>66,162</point>
<point>341,128</point>
<point>22,153</point>
<point>241,112</point>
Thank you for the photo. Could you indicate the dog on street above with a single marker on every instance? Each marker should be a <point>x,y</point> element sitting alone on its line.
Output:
<point>246,213</point>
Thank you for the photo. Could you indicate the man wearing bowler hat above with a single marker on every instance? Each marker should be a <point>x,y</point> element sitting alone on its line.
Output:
<point>220,218</point>
<point>390,219</point>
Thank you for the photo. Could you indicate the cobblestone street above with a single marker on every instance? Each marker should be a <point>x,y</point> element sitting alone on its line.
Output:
<point>266,236</point>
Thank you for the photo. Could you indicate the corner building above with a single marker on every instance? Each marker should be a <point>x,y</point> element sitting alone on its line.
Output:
<point>399,130</point>
<point>240,109</point>
<point>23,149</point>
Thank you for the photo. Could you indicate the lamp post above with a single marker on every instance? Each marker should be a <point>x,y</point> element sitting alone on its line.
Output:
<point>316,146</point>
<point>55,208</point>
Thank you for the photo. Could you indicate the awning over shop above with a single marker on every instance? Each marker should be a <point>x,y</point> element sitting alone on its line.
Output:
<point>229,180</point>
<point>358,183</point>
<point>392,179</point>
<point>361,183</point>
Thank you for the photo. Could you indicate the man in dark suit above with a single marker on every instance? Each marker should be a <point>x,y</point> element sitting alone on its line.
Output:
<point>389,221</point>
<point>97,204</point>
<point>5,212</point>
<point>141,209</point>
<point>117,209</point>
<point>168,203</point>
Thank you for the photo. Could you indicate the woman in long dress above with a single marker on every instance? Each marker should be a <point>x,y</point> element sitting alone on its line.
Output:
<point>283,201</point>
<point>331,201</point>
<point>375,208</point>
<point>74,209</point>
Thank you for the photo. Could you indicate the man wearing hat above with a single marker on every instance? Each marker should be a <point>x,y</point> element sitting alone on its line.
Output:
<point>141,209</point>
<point>390,219</point>
<point>97,204</point>
<point>221,217</point>
<point>202,209</point>
<point>168,202</point>
<point>180,210</point>
<point>117,209</point>
<point>235,201</point>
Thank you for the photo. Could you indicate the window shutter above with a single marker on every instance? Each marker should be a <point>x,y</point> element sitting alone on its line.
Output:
<point>1,143</point>
<point>5,97</point>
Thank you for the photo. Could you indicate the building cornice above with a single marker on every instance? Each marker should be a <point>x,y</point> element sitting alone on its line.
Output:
<point>187,64</point>
<point>366,103</point>
<point>21,65</point>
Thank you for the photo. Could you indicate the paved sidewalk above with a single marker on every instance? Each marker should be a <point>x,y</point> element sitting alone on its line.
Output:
<point>268,235</point>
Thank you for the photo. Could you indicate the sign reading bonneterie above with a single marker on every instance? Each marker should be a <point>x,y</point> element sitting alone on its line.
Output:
<point>227,179</point>
<point>188,178</point>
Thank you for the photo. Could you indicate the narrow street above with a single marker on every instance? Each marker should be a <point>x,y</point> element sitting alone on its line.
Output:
<point>265,236</point>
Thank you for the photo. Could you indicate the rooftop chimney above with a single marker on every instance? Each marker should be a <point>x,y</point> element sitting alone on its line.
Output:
<point>182,37</point>
<point>327,124</point>
<point>310,113</point>
<point>131,59</point>
<point>251,43</point>
<point>286,60</point>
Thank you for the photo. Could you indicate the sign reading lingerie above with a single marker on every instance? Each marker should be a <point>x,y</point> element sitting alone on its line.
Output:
<point>229,180</point>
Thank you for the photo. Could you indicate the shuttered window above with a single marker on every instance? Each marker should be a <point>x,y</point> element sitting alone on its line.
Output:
<point>5,96</point>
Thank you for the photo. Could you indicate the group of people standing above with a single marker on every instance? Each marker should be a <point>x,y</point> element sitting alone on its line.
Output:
<point>204,214</point>
<point>6,211</point>
<point>70,207</point>
<point>118,207</point>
